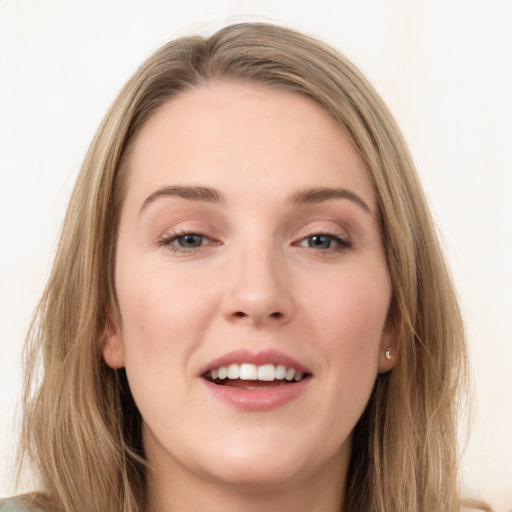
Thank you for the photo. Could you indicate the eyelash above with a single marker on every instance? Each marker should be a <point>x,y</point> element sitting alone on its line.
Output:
<point>341,244</point>
<point>168,241</point>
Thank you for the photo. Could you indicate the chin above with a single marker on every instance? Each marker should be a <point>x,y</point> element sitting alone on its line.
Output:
<point>249,474</point>
<point>277,466</point>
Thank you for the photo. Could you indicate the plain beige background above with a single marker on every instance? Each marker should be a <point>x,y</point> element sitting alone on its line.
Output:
<point>445,69</point>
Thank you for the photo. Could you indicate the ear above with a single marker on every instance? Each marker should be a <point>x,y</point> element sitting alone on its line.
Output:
<point>112,344</point>
<point>389,347</point>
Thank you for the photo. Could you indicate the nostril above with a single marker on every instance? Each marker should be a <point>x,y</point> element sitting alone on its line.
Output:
<point>275,314</point>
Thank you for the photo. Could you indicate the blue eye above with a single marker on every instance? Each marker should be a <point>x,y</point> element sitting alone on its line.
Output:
<point>324,242</point>
<point>320,241</point>
<point>184,242</point>
<point>189,241</point>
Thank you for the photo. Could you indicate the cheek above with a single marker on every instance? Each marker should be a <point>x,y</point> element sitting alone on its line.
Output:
<point>161,328</point>
<point>350,309</point>
<point>349,317</point>
<point>166,315</point>
<point>161,314</point>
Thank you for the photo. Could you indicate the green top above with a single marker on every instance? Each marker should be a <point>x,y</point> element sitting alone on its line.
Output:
<point>10,505</point>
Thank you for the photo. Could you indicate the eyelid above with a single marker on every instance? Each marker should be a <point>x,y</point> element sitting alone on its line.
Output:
<point>328,228</point>
<point>166,241</point>
<point>341,242</point>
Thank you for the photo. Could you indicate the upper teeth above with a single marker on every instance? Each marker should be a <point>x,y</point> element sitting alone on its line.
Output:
<point>266,372</point>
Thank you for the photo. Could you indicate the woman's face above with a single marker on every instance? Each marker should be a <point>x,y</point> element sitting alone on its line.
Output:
<point>249,246</point>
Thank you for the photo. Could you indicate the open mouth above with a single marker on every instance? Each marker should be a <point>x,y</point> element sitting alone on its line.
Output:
<point>251,376</point>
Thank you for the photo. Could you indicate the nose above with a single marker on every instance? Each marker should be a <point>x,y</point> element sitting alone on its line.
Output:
<point>257,291</point>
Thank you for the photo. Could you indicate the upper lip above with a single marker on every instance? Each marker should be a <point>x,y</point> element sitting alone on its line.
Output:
<point>259,358</point>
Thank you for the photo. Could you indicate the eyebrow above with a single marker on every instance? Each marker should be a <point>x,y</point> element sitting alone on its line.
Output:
<point>194,193</point>
<point>319,195</point>
<point>211,195</point>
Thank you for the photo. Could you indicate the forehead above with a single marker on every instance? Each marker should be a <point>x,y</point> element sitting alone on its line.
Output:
<point>233,134</point>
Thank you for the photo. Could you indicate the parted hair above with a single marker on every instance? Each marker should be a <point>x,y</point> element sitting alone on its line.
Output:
<point>81,429</point>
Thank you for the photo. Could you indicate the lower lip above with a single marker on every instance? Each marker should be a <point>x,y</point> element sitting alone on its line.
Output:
<point>257,399</point>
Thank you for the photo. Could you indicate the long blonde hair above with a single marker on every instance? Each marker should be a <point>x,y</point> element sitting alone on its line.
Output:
<point>82,431</point>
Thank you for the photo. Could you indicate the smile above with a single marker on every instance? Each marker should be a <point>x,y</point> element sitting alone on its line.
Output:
<point>252,372</point>
<point>258,381</point>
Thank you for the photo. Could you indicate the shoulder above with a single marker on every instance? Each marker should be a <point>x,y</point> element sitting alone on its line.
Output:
<point>471,506</point>
<point>11,505</point>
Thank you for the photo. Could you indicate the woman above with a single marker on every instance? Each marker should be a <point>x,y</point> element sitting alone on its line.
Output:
<point>248,309</point>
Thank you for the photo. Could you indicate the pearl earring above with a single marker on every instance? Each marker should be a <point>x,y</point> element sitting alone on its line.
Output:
<point>388,353</point>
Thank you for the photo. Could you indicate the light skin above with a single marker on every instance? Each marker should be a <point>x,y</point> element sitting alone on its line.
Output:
<point>249,223</point>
